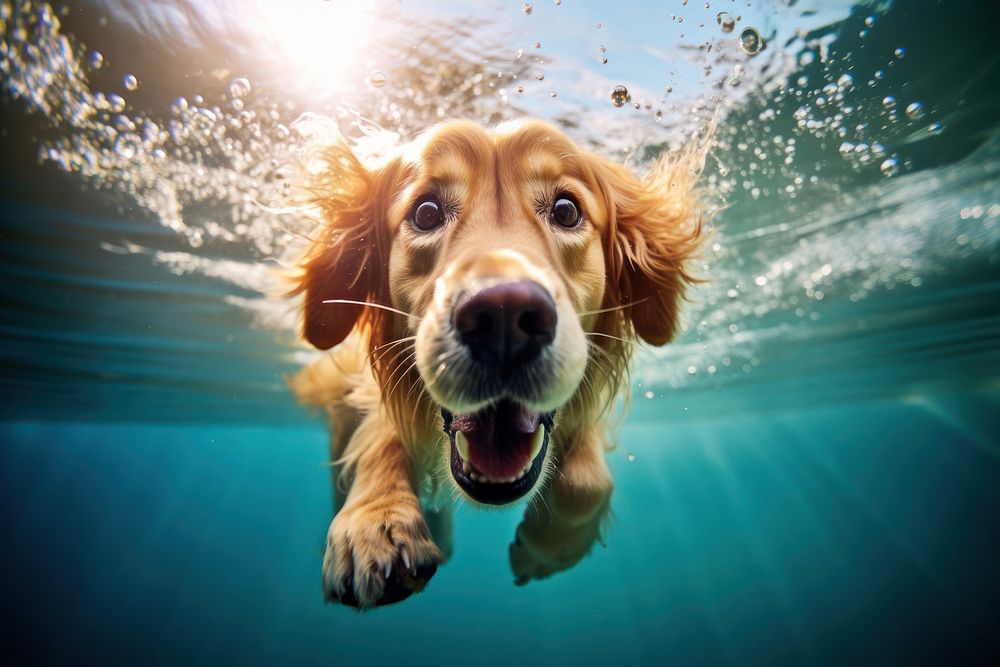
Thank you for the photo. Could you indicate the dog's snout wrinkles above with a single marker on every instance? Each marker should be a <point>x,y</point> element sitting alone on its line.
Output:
<point>506,325</point>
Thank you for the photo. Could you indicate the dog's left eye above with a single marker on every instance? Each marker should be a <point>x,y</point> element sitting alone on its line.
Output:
<point>428,215</point>
<point>565,213</point>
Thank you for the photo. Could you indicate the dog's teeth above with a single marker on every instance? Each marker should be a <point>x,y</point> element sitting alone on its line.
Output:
<point>405,556</point>
<point>466,468</point>
<point>388,570</point>
<point>537,441</point>
<point>473,476</point>
<point>462,445</point>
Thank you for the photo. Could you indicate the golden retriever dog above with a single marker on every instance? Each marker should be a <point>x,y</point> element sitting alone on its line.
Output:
<point>481,291</point>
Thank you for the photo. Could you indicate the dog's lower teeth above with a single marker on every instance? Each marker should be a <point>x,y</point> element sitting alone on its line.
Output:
<point>466,468</point>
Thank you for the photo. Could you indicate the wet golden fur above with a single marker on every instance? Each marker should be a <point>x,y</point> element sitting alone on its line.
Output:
<point>623,277</point>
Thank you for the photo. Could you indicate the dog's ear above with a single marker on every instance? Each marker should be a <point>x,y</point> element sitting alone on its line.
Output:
<point>653,229</point>
<point>348,258</point>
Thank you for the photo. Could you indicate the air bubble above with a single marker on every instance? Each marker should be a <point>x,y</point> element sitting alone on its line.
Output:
<point>130,82</point>
<point>96,60</point>
<point>889,166</point>
<point>869,21</point>
<point>207,114</point>
<point>725,21</point>
<point>620,96</point>
<point>239,87</point>
<point>631,457</point>
<point>915,110</point>
<point>900,52</point>
<point>751,42</point>
<point>527,8</point>
<point>889,101</point>
<point>378,78</point>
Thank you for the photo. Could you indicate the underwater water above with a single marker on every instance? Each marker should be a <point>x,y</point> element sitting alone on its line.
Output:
<point>809,474</point>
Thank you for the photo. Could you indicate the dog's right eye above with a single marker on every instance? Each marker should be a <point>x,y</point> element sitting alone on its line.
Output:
<point>565,213</point>
<point>428,215</point>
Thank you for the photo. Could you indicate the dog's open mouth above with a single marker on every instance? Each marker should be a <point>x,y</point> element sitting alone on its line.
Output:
<point>497,453</point>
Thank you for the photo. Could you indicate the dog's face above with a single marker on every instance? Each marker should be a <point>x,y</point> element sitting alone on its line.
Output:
<point>498,248</point>
<point>523,261</point>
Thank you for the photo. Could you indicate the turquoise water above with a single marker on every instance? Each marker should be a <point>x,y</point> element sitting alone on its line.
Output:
<point>809,474</point>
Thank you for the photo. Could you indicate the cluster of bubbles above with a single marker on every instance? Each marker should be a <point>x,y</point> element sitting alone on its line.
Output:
<point>201,172</point>
<point>769,274</point>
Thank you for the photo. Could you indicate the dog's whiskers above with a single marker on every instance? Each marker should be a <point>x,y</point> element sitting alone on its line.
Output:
<point>384,349</point>
<point>604,335</point>
<point>405,372</point>
<point>373,305</point>
<point>612,308</point>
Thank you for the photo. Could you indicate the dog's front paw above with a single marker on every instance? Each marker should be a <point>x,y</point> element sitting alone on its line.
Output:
<point>553,537</point>
<point>378,553</point>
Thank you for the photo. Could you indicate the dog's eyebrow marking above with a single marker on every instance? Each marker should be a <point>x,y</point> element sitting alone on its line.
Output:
<point>544,166</point>
<point>550,167</point>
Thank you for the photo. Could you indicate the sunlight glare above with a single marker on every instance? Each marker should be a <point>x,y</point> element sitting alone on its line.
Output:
<point>318,41</point>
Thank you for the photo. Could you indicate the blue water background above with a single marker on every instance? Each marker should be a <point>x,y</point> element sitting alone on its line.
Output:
<point>854,533</point>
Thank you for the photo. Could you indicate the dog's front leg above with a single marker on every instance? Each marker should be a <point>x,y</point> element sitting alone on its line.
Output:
<point>378,548</point>
<point>561,525</point>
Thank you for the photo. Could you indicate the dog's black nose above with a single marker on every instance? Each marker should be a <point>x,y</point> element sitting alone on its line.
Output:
<point>506,325</point>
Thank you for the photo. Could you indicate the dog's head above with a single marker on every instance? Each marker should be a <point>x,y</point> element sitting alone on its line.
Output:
<point>523,265</point>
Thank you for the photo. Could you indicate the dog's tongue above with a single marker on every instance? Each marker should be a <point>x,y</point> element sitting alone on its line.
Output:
<point>500,438</point>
